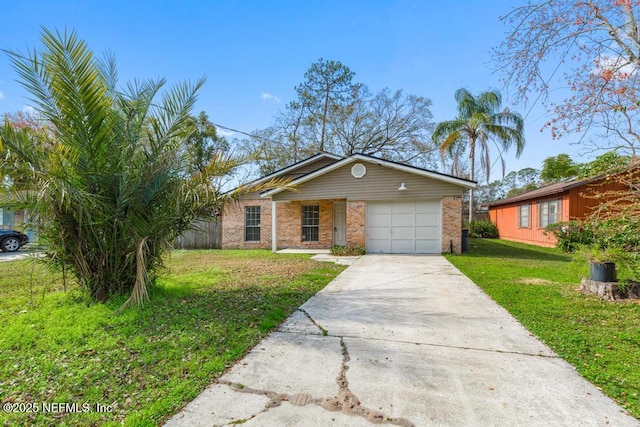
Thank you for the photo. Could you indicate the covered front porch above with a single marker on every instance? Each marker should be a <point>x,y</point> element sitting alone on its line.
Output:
<point>311,225</point>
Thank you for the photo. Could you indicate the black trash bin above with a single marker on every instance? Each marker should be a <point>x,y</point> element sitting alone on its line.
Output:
<point>465,240</point>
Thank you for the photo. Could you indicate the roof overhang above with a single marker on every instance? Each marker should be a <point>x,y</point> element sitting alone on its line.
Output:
<point>380,162</point>
<point>290,168</point>
<point>544,192</point>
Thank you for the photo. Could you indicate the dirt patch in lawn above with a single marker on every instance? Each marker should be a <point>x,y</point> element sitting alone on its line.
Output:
<point>535,281</point>
<point>242,271</point>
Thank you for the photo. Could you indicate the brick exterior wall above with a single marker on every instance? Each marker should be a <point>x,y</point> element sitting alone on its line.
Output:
<point>356,223</point>
<point>289,227</point>
<point>452,223</point>
<point>233,224</point>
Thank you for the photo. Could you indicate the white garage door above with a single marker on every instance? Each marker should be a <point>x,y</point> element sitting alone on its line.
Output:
<point>403,227</point>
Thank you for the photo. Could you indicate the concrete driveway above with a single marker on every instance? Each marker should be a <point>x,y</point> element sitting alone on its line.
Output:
<point>13,256</point>
<point>404,340</point>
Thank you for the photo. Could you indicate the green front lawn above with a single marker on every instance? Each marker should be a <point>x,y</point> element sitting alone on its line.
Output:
<point>538,286</point>
<point>207,311</point>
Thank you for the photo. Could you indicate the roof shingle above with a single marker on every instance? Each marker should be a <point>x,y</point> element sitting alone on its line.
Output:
<point>547,190</point>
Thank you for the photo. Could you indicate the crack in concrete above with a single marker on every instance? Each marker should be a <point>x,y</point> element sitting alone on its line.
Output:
<point>348,403</point>
<point>323,330</point>
<point>275,399</point>
<point>345,401</point>
<point>455,347</point>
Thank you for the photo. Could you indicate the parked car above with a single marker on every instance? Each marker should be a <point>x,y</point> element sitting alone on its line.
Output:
<point>12,240</point>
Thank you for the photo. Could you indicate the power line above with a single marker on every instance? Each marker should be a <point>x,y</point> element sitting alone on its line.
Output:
<point>251,135</point>
<point>244,133</point>
<point>21,56</point>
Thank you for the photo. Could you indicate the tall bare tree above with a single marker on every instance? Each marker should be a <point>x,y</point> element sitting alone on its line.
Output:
<point>387,124</point>
<point>590,48</point>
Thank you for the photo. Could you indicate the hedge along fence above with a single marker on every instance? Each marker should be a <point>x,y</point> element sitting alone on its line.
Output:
<point>206,235</point>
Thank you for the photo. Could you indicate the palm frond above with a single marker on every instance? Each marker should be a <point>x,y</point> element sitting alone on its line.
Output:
<point>479,120</point>
<point>109,186</point>
<point>444,129</point>
<point>489,101</point>
<point>466,103</point>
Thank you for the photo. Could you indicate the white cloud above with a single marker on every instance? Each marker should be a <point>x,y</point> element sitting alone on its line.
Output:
<point>224,132</point>
<point>618,66</point>
<point>266,96</point>
<point>28,109</point>
<point>1,95</point>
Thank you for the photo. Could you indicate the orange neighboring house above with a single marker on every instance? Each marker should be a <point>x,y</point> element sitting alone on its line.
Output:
<point>523,218</point>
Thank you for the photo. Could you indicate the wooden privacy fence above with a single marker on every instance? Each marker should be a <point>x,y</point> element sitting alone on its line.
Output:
<point>205,236</point>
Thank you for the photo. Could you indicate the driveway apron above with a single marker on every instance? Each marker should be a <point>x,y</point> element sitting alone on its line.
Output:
<point>401,340</point>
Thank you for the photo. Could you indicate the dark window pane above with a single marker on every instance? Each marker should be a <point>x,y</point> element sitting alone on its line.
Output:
<point>252,234</point>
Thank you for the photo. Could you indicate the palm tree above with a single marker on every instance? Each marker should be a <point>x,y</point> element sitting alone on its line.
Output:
<point>109,189</point>
<point>480,120</point>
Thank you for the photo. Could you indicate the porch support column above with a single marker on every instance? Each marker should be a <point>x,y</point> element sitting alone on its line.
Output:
<point>274,221</point>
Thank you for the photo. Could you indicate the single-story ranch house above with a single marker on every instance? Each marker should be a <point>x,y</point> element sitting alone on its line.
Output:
<point>359,200</point>
<point>523,218</point>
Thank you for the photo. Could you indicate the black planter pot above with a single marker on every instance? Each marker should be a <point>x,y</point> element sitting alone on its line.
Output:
<point>602,271</point>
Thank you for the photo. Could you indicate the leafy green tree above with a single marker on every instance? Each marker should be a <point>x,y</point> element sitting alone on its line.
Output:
<point>202,142</point>
<point>519,182</point>
<point>327,85</point>
<point>489,192</point>
<point>609,162</point>
<point>480,120</point>
<point>14,174</point>
<point>510,182</point>
<point>528,177</point>
<point>110,192</point>
<point>558,168</point>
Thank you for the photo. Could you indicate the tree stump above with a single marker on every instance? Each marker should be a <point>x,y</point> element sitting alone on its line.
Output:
<point>610,290</point>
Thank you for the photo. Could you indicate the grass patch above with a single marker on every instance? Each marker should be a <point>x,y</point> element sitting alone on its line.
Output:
<point>205,313</point>
<point>538,286</point>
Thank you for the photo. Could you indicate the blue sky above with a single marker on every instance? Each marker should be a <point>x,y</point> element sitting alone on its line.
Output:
<point>253,53</point>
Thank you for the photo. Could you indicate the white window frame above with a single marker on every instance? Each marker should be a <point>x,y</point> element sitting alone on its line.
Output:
<point>252,222</point>
<point>522,209</point>
<point>549,212</point>
<point>310,223</point>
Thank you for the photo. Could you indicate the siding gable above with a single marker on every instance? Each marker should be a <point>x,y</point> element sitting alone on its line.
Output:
<point>292,173</point>
<point>379,183</point>
<point>308,168</point>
